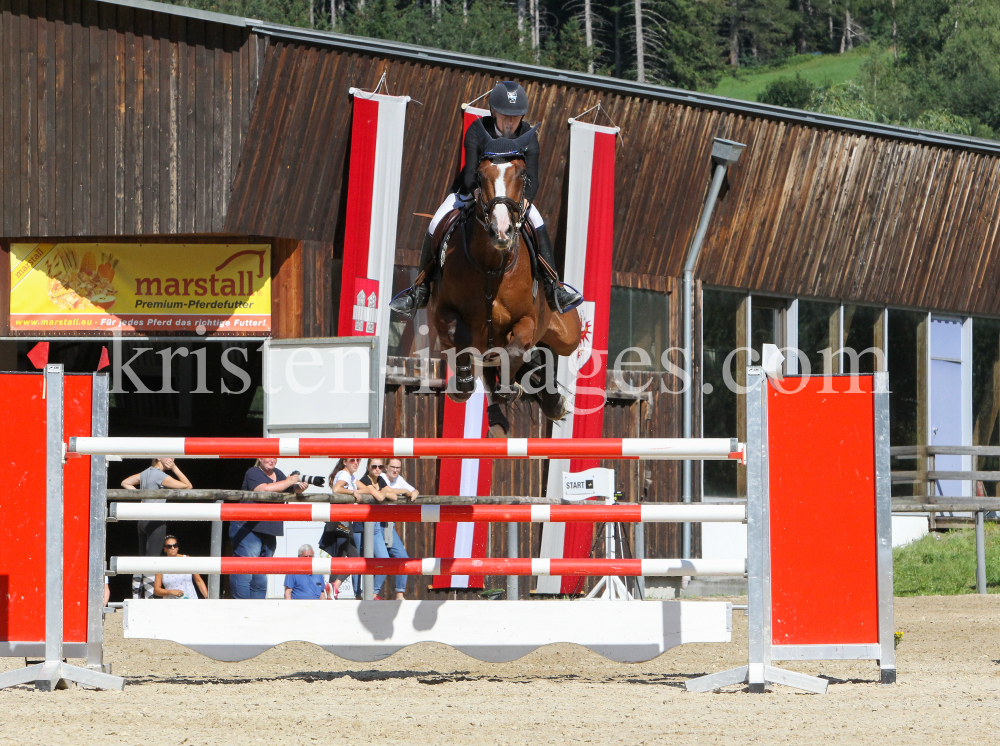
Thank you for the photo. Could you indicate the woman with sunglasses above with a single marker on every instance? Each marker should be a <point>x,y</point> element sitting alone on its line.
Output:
<point>177,586</point>
<point>385,533</point>
<point>338,538</point>
<point>151,533</point>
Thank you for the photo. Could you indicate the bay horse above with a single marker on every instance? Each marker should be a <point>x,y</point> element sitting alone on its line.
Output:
<point>488,306</point>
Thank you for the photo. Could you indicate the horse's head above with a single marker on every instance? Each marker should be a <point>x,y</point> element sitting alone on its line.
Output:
<point>502,177</point>
<point>501,185</point>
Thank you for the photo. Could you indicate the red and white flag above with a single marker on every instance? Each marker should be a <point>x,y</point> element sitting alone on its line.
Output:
<point>467,477</point>
<point>370,227</point>
<point>589,246</point>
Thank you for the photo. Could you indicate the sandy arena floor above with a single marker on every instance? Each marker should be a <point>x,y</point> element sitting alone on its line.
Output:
<point>949,682</point>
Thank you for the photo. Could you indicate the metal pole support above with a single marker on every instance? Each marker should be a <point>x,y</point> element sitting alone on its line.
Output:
<point>368,581</point>
<point>640,553</point>
<point>98,529</point>
<point>215,550</point>
<point>981,551</point>
<point>513,551</point>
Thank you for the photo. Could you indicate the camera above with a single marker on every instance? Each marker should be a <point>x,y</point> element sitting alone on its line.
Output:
<point>315,481</point>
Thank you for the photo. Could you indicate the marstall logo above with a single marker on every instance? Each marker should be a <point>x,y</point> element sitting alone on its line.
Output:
<point>210,285</point>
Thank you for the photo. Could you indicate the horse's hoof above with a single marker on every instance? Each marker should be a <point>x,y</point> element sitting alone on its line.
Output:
<point>557,412</point>
<point>511,395</point>
<point>499,424</point>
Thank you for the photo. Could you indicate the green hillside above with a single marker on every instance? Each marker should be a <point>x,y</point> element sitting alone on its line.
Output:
<point>819,69</point>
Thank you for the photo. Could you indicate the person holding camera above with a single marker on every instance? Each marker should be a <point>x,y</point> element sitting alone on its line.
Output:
<point>259,538</point>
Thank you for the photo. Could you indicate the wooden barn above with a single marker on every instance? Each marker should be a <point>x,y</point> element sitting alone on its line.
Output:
<point>158,127</point>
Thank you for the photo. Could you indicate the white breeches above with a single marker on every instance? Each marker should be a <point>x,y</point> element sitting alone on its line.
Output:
<point>456,202</point>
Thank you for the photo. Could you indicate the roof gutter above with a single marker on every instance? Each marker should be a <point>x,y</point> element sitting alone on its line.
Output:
<point>619,86</point>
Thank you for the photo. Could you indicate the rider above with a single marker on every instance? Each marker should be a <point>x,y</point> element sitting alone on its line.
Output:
<point>508,105</point>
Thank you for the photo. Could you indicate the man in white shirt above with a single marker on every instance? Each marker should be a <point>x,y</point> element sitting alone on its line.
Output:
<point>400,486</point>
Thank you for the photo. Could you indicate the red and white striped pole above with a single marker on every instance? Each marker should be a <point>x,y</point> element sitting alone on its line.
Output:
<point>675,449</point>
<point>656,513</point>
<point>428,566</point>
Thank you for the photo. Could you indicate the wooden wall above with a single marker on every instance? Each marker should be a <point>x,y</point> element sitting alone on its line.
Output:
<point>117,120</point>
<point>122,121</point>
<point>807,211</point>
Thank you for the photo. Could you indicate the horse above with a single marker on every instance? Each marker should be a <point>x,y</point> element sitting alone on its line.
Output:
<point>486,305</point>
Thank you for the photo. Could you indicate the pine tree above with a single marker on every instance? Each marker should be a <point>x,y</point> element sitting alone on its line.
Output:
<point>757,32</point>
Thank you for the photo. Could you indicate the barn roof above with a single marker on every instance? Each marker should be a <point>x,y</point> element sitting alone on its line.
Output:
<point>511,69</point>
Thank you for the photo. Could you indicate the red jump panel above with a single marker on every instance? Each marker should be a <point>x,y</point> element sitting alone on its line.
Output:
<point>824,581</point>
<point>22,511</point>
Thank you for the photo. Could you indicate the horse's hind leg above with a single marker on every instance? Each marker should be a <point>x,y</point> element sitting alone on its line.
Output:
<point>563,333</point>
<point>499,425</point>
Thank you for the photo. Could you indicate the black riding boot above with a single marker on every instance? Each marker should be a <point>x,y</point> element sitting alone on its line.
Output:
<point>411,300</point>
<point>561,297</point>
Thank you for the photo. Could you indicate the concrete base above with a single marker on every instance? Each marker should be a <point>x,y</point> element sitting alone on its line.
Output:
<point>666,588</point>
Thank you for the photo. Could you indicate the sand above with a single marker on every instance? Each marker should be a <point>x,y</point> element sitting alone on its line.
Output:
<point>947,693</point>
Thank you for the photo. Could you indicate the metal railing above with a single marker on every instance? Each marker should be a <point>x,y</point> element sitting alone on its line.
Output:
<point>926,500</point>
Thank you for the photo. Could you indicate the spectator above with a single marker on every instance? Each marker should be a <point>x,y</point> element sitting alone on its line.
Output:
<point>177,586</point>
<point>394,478</point>
<point>153,533</point>
<point>344,481</point>
<point>305,587</point>
<point>258,538</point>
<point>387,541</point>
<point>338,538</point>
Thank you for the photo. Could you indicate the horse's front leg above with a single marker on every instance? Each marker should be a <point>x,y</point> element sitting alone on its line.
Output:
<point>521,339</point>
<point>459,386</point>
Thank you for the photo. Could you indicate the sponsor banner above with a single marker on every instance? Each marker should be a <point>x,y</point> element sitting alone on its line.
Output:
<point>589,248</point>
<point>467,477</point>
<point>104,288</point>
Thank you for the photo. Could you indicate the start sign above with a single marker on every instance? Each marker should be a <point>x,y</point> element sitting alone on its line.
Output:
<point>583,485</point>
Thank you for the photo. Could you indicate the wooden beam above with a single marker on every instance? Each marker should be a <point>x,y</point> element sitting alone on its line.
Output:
<point>286,288</point>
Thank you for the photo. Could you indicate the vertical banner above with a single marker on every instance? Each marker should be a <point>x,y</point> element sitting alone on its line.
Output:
<point>589,247</point>
<point>370,228</point>
<point>466,477</point>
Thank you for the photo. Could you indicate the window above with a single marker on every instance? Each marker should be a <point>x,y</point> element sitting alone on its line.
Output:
<point>860,323</point>
<point>819,328</point>
<point>638,319</point>
<point>986,392</point>
<point>720,311</point>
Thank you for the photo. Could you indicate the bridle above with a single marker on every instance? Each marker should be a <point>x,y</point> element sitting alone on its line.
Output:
<point>508,257</point>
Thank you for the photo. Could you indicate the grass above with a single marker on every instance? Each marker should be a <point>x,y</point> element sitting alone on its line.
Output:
<point>821,70</point>
<point>944,564</point>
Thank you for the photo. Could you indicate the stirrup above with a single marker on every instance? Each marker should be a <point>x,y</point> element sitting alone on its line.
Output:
<point>408,302</point>
<point>572,297</point>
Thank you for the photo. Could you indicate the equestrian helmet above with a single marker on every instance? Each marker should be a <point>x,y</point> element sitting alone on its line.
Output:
<point>509,98</point>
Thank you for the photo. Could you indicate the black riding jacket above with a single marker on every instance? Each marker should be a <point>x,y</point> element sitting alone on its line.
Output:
<point>477,137</point>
